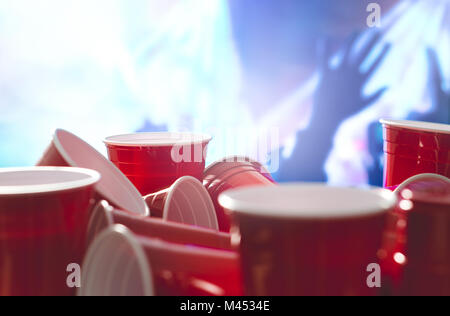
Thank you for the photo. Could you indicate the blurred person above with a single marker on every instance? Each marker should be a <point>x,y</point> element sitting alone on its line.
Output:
<point>338,96</point>
<point>439,113</point>
<point>440,99</point>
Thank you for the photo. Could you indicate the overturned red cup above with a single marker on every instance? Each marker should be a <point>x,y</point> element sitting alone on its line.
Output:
<point>187,202</point>
<point>230,173</point>
<point>307,239</point>
<point>68,150</point>
<point>413,148</point>
<point>153,161</point>
<point>43,218</point>
<point>120,263</point>
<point>105,216</point>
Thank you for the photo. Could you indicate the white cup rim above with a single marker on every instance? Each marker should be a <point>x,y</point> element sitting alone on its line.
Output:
<point>417,177</point>
<point>157,139</point>
<point>209,210</point>
<point>92,177</point>
<point>418,125</point>
<point>129,238</point>
<point>310,201</point>
<point>111,175</point>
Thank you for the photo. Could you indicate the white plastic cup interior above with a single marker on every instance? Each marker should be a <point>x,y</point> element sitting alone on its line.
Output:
<point>418,126</point>
<point>33,180</point>
<point>116,265</point>
<point>306,201</point>
<point>113,186</point>
<point>188,202</point>
<point>157,139</point>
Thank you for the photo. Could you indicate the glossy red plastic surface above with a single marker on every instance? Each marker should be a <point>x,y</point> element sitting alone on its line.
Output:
<point>231,176</point>
<point>152,168</point>
<point>410,151</point>
<point>40,235</point>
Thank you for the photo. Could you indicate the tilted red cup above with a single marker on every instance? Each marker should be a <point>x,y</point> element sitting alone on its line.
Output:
<point>120,263</point>
<point>217,168</point>
<point>69,150</point>
<point>105,216</point>
<point>303,239</point>
<point>186,201</point>
<point>153,161</point>
<point>413,148</point>
<point>230,173</point>
<point>43,219</point>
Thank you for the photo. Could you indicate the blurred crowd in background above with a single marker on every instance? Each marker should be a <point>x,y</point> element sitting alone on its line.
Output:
<point>313,70</point>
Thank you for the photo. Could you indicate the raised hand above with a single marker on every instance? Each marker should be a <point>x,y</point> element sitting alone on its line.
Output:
<point>340,91</point>
<point>440,98</point>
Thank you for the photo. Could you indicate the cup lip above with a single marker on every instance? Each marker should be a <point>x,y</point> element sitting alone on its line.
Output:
<point>101,209</point>
<point>229,200</point>
<point>130,238</point>
<point>418,126</point>
<point>195,182</point>
<point>165,139</point>
<point>93,177</point>
<point>132,193</point>
<point>404,185</point>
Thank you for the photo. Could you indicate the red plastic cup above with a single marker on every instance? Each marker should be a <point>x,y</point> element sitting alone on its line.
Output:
<point>427,254</point>
<point>231,173</point>
<point>425,154</point>
<point>187,202</point>
<point>307,239</point>
<point>414,148</point>
<point>394,253</point>
<point>105,216</point>
<point>43,219</point>
<point>153,161</point>
<point>67,150</point>
<point>120,263</point>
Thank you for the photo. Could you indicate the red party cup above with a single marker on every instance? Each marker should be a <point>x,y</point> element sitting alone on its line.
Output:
<point>414,148</point>
<point>230,173</point>
<point>105,216</point>
<point>307,239</point>
<point>43,217</point>
<point>427,263</point>
<point>394,252</point>
<point>187,202</point>
<point>67,149</point>
<point>153,161</point>
<point>432,155</point>
<point>120,263</point>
